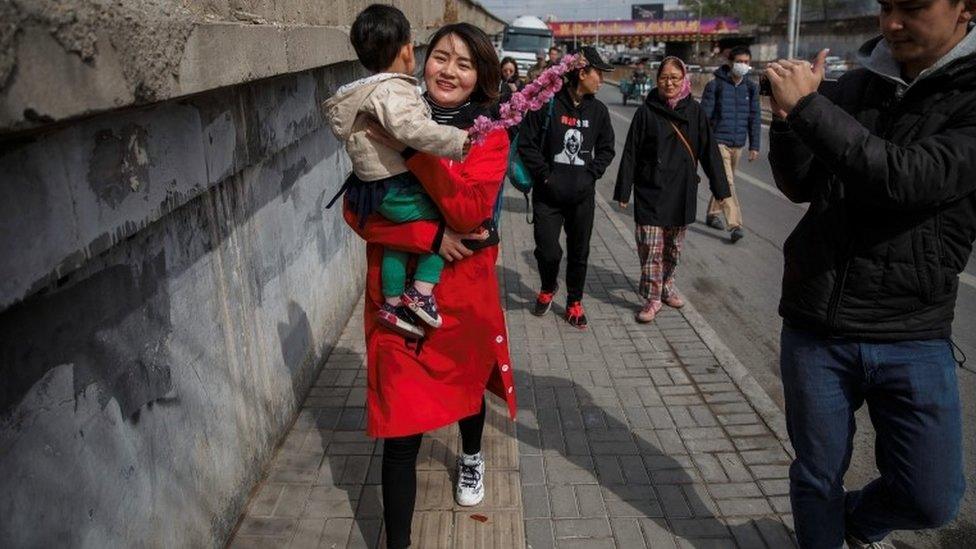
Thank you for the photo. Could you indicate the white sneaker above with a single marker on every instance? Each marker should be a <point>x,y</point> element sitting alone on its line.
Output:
<point>470,489</point>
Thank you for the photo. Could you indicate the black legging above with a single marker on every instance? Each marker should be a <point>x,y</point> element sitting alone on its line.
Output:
<point>400,476</point>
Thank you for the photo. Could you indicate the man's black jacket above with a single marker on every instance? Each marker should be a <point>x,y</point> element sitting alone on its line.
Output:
<point>891,182</point>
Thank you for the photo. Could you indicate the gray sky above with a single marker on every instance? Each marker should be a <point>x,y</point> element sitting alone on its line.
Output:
<point>567,10</point>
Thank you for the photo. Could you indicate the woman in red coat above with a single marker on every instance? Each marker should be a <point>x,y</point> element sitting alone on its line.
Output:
<point>415,387</point>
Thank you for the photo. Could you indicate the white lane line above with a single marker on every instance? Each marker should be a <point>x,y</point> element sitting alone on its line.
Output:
<point>743,176</point>
<point>967,279</point>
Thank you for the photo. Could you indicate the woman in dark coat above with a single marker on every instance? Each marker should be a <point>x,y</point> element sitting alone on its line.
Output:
<point>668,138</point>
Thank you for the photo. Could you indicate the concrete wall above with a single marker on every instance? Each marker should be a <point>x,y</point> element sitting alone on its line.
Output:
<point>142,393</point>
<point>171,280</point>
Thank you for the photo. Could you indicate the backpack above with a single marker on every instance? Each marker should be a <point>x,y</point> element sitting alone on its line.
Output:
<point>517,173</point>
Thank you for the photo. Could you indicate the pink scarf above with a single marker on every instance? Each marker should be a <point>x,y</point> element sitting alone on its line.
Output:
<point>685,90</point>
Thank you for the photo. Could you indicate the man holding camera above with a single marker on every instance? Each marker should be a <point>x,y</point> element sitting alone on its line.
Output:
<point>886,160</point>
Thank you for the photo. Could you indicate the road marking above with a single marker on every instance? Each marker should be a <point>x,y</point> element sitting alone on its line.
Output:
<point>967,279</point>
<point>742,176</point>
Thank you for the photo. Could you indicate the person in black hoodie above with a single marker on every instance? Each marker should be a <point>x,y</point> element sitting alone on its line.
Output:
<point>565,156</point>
<point>885,159</point>
<point>669,135</point>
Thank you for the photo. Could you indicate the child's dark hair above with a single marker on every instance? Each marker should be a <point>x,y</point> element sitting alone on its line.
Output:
<point>378,34</point>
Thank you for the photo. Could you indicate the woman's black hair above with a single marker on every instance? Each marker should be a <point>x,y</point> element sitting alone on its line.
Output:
<point>509,61</point>
<point>484,58</point>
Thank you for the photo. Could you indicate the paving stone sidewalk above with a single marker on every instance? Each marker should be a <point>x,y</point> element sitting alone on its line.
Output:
<point>628,436</point>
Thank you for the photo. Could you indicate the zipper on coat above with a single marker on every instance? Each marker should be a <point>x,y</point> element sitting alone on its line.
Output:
<point>838,291</point>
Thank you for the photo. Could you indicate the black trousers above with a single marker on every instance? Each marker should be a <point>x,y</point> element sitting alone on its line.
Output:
<point>549,221</point>
<point>400,476</point>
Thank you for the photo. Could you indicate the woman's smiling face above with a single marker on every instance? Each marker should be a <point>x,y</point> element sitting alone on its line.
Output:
<point>669,79</point>
<point>450,73</point>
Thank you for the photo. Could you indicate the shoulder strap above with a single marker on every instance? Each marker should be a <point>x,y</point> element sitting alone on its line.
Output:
<point>684,141</point>
<point>549,111</point>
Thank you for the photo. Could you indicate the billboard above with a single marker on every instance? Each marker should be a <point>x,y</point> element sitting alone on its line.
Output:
<point>647,11</point>
<point>583,29</point>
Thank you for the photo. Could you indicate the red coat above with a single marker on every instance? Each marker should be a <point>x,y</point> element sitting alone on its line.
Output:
<point>418,387</point>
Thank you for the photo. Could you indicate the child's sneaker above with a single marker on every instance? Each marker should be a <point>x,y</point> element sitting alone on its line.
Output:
<point>470,489</point>
<point>398,319</point>
<point>424,306</point>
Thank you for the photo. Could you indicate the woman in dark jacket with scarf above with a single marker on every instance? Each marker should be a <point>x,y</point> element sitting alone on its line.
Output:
<point>668,138</point>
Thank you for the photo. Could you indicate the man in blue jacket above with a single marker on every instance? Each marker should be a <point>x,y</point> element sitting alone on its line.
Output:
<point>731,102</point>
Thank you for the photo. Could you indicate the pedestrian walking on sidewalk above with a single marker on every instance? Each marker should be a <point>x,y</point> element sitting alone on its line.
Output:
<point>731,103</point>
<point>885,159</point>
<point>415,387</point>
<point>668,138</point>
<point>566,155</point>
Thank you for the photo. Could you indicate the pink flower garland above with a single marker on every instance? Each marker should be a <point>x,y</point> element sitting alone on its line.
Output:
<point>532,97</point>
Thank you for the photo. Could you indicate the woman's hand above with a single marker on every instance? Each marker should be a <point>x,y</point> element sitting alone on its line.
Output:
<point>453,249</point>
<point>623,205</point>
<point>376,132</point>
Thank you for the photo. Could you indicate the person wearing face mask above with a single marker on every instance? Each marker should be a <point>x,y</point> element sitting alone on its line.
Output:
<point>731,103</point>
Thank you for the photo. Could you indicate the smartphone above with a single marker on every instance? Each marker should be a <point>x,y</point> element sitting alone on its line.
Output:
<point>765,88</point>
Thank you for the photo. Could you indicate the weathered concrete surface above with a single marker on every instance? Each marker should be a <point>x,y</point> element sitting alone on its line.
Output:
<point>101,55</point>
<point>142,393</point>
<point>170,278</point>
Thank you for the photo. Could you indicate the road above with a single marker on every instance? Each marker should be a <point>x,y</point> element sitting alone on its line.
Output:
<point>737,288</point>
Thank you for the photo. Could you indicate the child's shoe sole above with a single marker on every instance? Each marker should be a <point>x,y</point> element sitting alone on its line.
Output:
<point>397,325</point>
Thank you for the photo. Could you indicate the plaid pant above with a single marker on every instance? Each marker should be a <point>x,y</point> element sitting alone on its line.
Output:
<point>659,249</point>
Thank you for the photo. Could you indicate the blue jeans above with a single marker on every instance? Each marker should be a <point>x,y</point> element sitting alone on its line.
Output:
<point>913,399</point>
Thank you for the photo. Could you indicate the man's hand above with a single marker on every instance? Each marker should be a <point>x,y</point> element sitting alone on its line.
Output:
<point>793,80</point>
<point>453,249</point>
<point>623,205</point>
<point>753,156</point>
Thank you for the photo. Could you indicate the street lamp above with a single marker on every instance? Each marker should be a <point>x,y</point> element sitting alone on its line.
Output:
<point>698,38</point>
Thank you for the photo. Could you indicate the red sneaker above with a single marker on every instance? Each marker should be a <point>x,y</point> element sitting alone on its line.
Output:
<point>543,302</point>
<point>575,315</point>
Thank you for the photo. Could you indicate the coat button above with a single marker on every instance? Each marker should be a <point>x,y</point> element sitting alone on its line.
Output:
<point>511,390</point>
<point>504,367</point>
<point>499,339</point>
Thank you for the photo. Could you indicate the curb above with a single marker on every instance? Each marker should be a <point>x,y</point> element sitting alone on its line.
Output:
<point>771,415</point>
